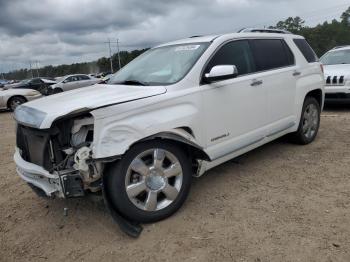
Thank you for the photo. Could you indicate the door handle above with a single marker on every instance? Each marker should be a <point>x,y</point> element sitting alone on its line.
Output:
<point>256,83</point>
<point>296,73</point>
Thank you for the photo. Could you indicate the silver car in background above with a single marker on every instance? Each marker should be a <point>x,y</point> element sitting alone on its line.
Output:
<point>71,82</point>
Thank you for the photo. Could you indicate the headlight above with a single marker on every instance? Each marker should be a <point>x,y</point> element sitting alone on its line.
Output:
<point>29,116</point>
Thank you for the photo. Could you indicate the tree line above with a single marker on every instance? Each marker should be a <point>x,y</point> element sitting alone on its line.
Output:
<point>322,38</point>
<point>94,67</point>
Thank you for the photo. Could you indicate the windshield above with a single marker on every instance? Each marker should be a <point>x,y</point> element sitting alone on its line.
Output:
<point>336,57</point>
<point>25,81</point>
<point>160,66</point>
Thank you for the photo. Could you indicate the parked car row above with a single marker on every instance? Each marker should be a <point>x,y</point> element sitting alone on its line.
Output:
<point>12,95</point>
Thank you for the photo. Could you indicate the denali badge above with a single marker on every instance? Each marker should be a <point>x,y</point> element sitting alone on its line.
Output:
<point>219,137</point>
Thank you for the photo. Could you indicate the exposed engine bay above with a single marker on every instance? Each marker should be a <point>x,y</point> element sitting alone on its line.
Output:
<point>64,149</point>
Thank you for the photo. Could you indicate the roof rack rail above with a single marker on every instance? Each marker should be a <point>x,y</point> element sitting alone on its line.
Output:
<point>340,46</point>
<point>194,36</point>
<point>264,30</point>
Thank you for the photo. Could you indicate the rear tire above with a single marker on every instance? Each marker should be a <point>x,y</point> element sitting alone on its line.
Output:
<point>309,122</point>
<point>15,101</point>
<point>145,189</point>
<point>57,90</point>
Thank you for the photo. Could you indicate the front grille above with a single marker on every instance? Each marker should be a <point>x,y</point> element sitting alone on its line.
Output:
<point>337,96</point>
<point>335,80</point>
<point>34,146</point>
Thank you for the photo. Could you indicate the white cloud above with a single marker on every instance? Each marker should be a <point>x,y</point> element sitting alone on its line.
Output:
<point>64,31</point>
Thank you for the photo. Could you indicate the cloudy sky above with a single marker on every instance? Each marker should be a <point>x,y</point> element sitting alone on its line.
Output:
<point>68,31</point>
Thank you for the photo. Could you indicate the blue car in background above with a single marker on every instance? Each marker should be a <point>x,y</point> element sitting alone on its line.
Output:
<point>3,82</point>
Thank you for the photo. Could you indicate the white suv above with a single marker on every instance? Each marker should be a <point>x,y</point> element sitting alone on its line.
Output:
<point>337,74</point>
<point>175,112</point>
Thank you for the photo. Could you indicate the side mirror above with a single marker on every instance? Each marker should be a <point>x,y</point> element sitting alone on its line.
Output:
<point>221,72</point>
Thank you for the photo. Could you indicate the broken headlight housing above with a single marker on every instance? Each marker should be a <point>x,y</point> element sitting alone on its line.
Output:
<point>29,116</point>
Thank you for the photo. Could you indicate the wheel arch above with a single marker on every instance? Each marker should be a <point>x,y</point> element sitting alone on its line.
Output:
<point>183,137</point>
<point>317,94</point>
<point>12,97</point>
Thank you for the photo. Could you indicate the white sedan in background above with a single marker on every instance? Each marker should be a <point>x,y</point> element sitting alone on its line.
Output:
<point>11,98</point>
<point>71,82</point>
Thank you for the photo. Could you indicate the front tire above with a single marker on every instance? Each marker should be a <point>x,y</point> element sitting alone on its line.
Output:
<point>151,182</point>
<point>15,101</point>
<point>309,122</point>
<point>57,90</point>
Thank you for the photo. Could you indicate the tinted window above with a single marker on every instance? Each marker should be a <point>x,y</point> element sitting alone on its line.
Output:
<point>306,50</point>
<point>82,77</point>
<point>236,53</point>
<point>35,81</point>
<point>72,79</point>
<point>271,53</point>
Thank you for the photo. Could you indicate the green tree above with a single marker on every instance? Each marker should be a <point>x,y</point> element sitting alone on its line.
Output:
<point>345,17</point>
<point>292,24</point>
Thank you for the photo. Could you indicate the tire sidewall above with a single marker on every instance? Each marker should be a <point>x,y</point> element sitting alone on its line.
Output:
<point>115,183</point>
<point>13,99</point>
<point>302,137</point>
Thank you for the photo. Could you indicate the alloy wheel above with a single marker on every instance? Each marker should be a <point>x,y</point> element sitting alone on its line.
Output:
<point>154,179</point>
<point>310,121</point>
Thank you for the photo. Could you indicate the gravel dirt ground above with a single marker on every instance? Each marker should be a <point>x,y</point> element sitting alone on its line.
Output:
<point>281,202</point>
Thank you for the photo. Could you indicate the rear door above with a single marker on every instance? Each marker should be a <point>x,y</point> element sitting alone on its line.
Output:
<point>72,84</point>
<point>278,72</point>
<point>85,81</point>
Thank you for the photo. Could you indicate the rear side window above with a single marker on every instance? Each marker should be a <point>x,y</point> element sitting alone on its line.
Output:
<point>236,53</point>
<point>306,50</point>
<point>271,54</point>
<point>82,77</point>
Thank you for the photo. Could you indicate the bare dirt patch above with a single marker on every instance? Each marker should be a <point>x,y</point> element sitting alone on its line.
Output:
<point>281,202</point>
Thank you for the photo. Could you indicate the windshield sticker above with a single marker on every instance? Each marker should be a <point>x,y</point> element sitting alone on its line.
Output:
<point>187,48</point>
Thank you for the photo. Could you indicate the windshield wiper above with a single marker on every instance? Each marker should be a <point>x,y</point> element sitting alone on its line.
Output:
<point>132,82</point>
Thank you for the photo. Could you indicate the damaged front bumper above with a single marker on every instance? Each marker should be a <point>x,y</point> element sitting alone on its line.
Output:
<point>61,185</point>
<point>56,184</point>
<point>38,176</point>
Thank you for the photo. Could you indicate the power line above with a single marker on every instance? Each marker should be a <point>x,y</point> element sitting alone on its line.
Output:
<point>118,54</point>
<point>110,54</point>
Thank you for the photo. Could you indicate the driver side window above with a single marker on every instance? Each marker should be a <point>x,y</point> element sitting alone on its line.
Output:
<point>236,53</point>
<point>69,79</point>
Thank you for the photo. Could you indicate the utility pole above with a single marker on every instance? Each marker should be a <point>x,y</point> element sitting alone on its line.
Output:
<point>37,68</point>
<point>30,66</point>
<point>110,54</point>
<point>118,53</point>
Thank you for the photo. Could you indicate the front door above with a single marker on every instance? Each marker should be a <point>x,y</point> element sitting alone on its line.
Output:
<point>235,110</point>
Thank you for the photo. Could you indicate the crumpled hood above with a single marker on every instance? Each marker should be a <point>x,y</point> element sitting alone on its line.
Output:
<point>91,97</point>
<point>337,70</point>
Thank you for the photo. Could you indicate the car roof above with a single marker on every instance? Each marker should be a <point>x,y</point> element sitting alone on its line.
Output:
<point>339,48</point>
<point>75,75</point>
<point>211,38</point>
